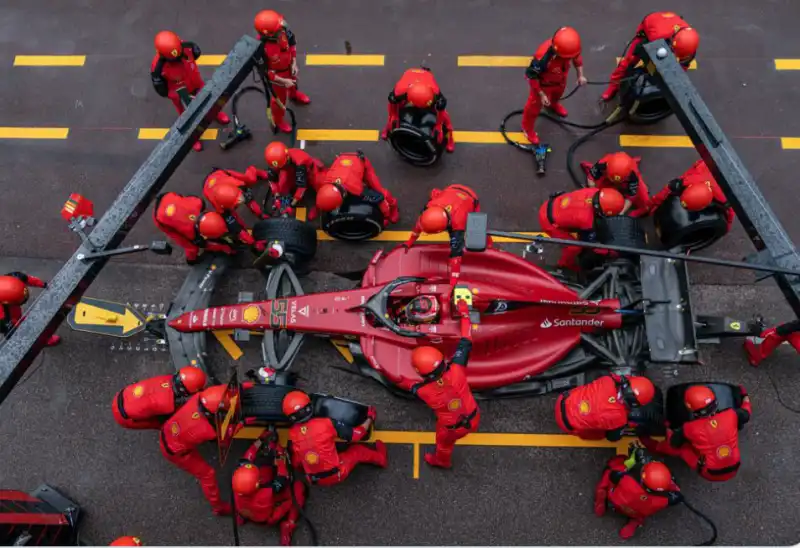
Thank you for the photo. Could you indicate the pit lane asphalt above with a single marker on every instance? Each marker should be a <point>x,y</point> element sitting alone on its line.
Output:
<point>57,426</point>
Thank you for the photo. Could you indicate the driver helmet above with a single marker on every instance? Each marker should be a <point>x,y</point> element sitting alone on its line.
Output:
<point>420,95</point>
<point>422,309</point>
<point>211,225</point>
<point>168,45</point>
<point>127,541</point>
<point>226,195</point>
<point>329,197</point>
<point>297,406</point>
<point>656,477</point>
<point>245,480</point>
<point>637,391</point>
<point>609,202</point>
<point>619,167</point>
<point>434,220</point>
<point>190,380</point>
<point>700,400</point>
<point>13,291</point>
<point>685,43</point>
<point>268,23</point>
<point>697,197</point>
<point>567,43</point>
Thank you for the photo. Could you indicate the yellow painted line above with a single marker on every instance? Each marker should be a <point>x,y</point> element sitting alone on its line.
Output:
<point>493,61</point>
<point>664,141</point>
<point>227,342</point>
<point>211,60</point>
<point>338,134</point>
<point>692,66</point>
<point>403,235</point>
<point>49,60</point>
<point>159,133</point>
<point>34,132</point>
<point>487,137</point>
<point>790,143</point>
<point>787,64</point>
<point>345,60</point>
<point>415,474</point>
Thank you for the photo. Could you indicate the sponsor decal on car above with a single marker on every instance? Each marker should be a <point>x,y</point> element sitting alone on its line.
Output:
<point>572,322</point>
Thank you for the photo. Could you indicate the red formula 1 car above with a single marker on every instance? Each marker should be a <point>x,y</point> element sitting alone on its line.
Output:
<point>538,332</point>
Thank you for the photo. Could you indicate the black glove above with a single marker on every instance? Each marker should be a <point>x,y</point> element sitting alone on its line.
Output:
<point>441,102</point>
<point>279,483</point>
<point>196,51</point>
<point>674,497</point>
<point>675,186</point>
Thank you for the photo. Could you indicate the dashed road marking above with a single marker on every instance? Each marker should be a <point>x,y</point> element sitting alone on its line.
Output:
<point>692,65</point>
<point>49,60</point>
<point>787,64</point>
<point>790,143</point>
<point>321,60</point>
<point>494,61</point>
<point>34,132</point>
<point>662,141</point>
<point>158,133</point>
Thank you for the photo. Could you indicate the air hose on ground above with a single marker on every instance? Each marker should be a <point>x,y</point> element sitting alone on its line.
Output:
<point>705,518</point>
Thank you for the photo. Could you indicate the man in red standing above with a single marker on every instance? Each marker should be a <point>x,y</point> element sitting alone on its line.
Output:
<point>419,88</point>
<point>280,64</point>
<point>445,390</point>
<point>681,37</point>
<point>547,77</point>
<point>175,74</point>
<point>149,403</point>
<point>291,171</point>
<point>621,172</point>
<point>13,294</point>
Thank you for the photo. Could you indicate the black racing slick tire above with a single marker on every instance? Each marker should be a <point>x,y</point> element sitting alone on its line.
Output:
<point>729,396</point>
<point>648,420</point>
<point>676,227</point>
<point>298,237</point>
<point>354,221</point>
<point>415,138</point>
<point>643,100</point>
<point>622,231</point>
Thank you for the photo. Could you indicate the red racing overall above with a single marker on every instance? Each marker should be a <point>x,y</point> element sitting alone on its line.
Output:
<point>550,78</point>
<point>634,189</point>
<point>625,494</point>
<point>354,172</point>
<point>314,447</point>
<point>709,444</point>
<point>146,404</point>
<point>190,427</point>
<point>656,26</point>
<point>698,173</point>
<point>758,349</point>
<point>398,99</point>
<point>174,79</point>
<point>176,216</point>
<point>458,201</point>
<point>11,314</point>
<point>234,221</point>
<point>280,55</point>
<point>593,411</point>
<point>568,212</point>
<point>294,178</point>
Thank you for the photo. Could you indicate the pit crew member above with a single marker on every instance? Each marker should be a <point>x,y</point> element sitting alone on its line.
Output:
<point>621,172</point>
<point>419,88</point>
<point>244,181</point>
<point>352,173</point>
<point>147,404</point>
<point>13,294</point>
<point>547,77</point>
<point>290,172</point>
<point>279,64</point>
<point>758,349</point>
<point>698,190</point>
<point>175,75</point>
<point>577,211</point>
<point>681,37</point>
<point>225,198</point>
<point>599,410</point>
<point>313,442</point>
<point>709,443</point>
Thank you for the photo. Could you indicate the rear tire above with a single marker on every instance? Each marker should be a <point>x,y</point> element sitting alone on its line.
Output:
<point>354,221</point>
<point>649,419</point>
<point>643,99</point>
<point>729,396</point>
<point>298,237</point>
<point>415,140</point>
<point>677,227</point>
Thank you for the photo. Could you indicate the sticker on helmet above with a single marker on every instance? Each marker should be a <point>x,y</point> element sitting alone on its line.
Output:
<point>347,162</point>
<point>211,182</point>
<point>563,203</point>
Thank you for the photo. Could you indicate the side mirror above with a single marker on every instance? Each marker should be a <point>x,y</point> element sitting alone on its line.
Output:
<point>475,237</point>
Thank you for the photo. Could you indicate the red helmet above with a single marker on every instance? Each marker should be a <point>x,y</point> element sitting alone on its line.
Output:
<point>226,195</point>
<point>192,378</point>
<point>619,167</point>
<point>698,398</point>
<point>329,198</point>
<point>168,45</point>
<point>422,309</point>
<point>214,397</point>
<point>127,541</point>
<point>697,196</point>
<point>245,479</point>
<point>211,225</point>
<point>610,202</point>
<point>642,389</point>
<point>276,154</point>
<point>656,476</point>
<point>425,359</point>
<point>567,42</point>
<point>685,43</point>
<point>434,220</point>
<point>268,22</point>
<point>420,95</point>
<point>296,405</point>
<point>12,290</point>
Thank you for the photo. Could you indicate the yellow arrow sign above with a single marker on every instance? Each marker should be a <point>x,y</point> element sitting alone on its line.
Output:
<point>105,318</point>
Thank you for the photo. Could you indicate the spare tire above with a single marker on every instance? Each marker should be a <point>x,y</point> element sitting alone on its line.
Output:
<point>299,238</point>
<point>415,138</point>
<point>677,227</point>
<point>649,419</point>
<point>355,221</point>
<point>729,396</point>
<point>643,100</point>
<point>621,230</point>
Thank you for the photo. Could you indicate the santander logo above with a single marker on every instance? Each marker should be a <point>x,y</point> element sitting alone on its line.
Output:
<point>545,324</point>
<point>572,322</point>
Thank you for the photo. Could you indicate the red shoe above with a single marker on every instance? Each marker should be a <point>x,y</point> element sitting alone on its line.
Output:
<point>433,460</point>
<point>384,134</point>
<point>300,97</point>
<point>394,217</point>
<point>223,118</point>
<point>533,137</point>
<point>54,340</point>
<point>285,127</point>
<point>609,93</point>
<point>600,505</point>
<point>383,454</point>
<point>451,145</point>
<point>287,528</point>
<point>198,146</point>
<point>628,530</point>
<point>223,509</point>
<point>559,110</point>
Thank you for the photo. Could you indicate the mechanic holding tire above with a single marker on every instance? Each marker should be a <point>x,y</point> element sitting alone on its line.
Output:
<point>290,172</point>
<point>621,172</point>
<point>243,181</point>
<point>709,443</point>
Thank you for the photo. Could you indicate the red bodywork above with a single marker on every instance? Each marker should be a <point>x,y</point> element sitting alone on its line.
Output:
<point>529,320</point>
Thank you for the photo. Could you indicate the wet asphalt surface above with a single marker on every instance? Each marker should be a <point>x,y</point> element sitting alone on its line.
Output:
<point>57,426</point>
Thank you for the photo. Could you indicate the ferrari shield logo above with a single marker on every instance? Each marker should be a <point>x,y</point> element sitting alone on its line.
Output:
<point>723,451</point>
<point>138,390</point>
<point>164,385</point>
<point>251,314</point>
<point>454,405</point>
<point>192,217</point>
<point>643,497</point>
<point>303,430</point>
<point>211,182</point>
<point>563,203</point>
<point>174,53</point>
<point>448,208</point>
<point>347,162</point>
<point>174,429</point>
<point>170,211</point>
<point>612,399</point>
<point>312,458</point>
<point>676,28</point>
<point>714,423</point>
<point>195,416</point>
<point>584,407</point>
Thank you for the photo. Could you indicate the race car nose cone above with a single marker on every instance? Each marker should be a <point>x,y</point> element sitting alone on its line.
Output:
<point>181,323</point>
